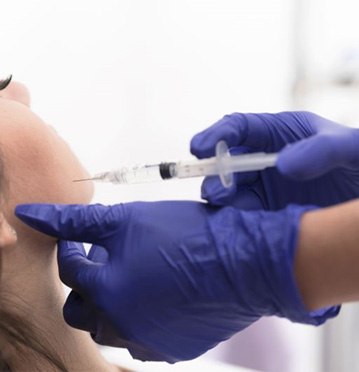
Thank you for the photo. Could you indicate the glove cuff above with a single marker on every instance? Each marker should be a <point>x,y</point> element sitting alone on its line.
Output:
<point>281,256</point>
<point>263,245</point>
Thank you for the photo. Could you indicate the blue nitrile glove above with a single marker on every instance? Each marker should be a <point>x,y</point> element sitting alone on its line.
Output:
<point>321,169</point>
<point>170,280</point>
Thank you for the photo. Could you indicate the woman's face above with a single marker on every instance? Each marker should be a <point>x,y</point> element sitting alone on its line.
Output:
<point>38,165</point>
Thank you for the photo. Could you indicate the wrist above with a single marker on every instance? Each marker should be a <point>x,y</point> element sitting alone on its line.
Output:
<point>327,259</point>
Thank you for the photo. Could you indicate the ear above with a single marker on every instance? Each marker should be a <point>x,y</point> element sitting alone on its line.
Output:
<point>16,92</point>
<point>8,235</point>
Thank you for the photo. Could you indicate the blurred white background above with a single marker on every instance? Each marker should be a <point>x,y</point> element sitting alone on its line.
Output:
<point>131,81</point>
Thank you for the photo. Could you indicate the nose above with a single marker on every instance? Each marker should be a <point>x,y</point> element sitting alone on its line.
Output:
<point>17,92</point>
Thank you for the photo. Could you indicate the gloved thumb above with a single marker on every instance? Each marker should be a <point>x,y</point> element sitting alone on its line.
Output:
<point>76,270</point>
<point>84,223</point>
<point>313,157</point>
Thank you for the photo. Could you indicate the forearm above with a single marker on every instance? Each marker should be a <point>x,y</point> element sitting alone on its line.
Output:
<point>327,258</point>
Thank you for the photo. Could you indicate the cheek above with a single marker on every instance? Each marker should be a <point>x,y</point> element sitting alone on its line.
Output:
<point>43,173</point>
<point>58,171</point>
<point>47,188</point>
<point>49,180</point>
<point>39,166</point>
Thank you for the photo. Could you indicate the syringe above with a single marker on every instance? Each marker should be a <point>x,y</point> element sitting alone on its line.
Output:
<point>223,165</point>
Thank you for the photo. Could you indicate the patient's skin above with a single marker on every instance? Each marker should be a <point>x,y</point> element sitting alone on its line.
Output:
<point>39,167</point>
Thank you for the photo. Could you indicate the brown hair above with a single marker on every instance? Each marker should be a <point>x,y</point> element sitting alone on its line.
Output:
<point>22,336</point>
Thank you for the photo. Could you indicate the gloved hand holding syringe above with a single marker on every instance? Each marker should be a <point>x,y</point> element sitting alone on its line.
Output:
<point>223,165</point>
<point>192,265</point>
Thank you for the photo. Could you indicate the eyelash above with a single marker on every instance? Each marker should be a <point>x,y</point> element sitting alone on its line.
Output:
<point>5,82</point>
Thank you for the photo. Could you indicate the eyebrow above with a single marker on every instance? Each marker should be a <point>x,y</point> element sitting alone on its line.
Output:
<point>5,82</point>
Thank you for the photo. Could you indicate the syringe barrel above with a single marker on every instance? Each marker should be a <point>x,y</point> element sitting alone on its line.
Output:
<point>249,162</point>
<point>196,168</point>
<point>187,169</point>
<point>137,174</point>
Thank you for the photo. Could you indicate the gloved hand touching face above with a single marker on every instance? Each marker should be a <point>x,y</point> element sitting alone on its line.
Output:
<point>318,161</point>
<point>170,280</point>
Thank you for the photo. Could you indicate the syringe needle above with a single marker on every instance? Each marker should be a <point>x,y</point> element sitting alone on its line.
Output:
<point>96,177</point>
<point>87,179</point>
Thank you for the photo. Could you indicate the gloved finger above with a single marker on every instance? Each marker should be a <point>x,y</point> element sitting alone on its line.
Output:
<point>98,254</point>
<point>215,193</point>
<point>84,223</point>
<point>241,197</point>
<point>317,155</point>
<point>75,269</point>
<point>144,354</point>
<point>236,129</point>
<point>249,199</point>
<point>79,314</point>
<point>213,190</point>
